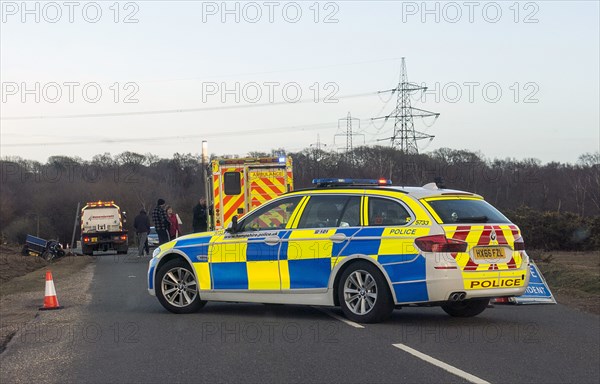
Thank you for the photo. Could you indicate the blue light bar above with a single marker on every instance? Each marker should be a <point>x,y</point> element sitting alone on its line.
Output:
<point>350,182</point>
<point>282,159</point>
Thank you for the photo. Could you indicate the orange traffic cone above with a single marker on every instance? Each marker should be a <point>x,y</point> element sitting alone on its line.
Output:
<point>50,300</point>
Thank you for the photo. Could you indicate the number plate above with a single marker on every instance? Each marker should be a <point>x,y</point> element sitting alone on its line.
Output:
<point>488,253</point>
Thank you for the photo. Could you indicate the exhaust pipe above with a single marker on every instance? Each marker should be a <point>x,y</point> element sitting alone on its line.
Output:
<point>457,296</point>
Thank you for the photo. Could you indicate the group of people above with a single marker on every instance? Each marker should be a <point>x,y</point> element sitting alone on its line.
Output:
<point>167,223</point>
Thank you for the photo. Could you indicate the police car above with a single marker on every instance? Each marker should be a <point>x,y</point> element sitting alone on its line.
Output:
<point>363,245</point>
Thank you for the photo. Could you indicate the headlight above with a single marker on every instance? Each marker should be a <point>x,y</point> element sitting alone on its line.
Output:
<point>156,252</point>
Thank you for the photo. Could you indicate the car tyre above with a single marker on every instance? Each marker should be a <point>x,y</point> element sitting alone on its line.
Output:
<point>177,288</point>
<point>364,294</point>
<point>466,308</point>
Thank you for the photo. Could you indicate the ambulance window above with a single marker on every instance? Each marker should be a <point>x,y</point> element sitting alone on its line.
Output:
<point>326,211</point>
<point>387,212</point>
<point>232,183</point>
<point>271,216</point>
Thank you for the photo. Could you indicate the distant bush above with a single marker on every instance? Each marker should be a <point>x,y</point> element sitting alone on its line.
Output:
<point>564,231</point>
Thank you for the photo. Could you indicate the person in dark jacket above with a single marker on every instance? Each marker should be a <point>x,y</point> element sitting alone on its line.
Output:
<point>161,222</point>
<point>141,223</point>
<point>200,216</point>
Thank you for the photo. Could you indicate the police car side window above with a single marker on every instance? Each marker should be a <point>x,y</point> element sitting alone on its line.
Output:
<point>273,216</point>
<point>323,212</point>
<point>387,212</point>
<point>351,214</point>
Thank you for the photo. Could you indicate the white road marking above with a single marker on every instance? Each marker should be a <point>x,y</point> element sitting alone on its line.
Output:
<point>455,371</point>
<point>340,318</point>
<point>131,276</point>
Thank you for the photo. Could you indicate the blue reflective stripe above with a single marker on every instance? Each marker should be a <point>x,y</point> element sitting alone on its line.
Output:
<point>411,271</point>
<point>258,250</point>
<point>229,275</point>
<point>309,273</point>
<point>411,292</point>
<point>193,241</point>
<point>283,251</point>
<point>389,259</point>
<point>370,231</point>
<point>196,254</point>
<point>151,276</point>
<point>365,241</point>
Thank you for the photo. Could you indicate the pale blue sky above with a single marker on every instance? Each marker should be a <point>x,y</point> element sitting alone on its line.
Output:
<point>170,53</point>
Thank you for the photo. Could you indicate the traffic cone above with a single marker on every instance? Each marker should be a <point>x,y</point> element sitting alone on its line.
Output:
<point>50,300</point>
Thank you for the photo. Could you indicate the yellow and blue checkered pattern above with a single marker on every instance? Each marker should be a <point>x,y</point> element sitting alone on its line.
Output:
<point>304,259</point>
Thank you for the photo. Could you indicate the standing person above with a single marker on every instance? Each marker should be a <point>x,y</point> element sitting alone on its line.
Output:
<point>174,230</point>
<point>141,223</point>
<point>200,215</point>
<point>161,222</point>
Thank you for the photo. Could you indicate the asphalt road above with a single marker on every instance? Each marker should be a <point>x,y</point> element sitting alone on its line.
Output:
<point>121,334</point>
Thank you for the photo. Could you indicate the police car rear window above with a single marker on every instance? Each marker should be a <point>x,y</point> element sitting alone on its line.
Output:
<point>467,212</point>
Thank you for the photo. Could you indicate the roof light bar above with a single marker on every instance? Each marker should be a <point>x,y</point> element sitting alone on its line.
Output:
<point>350,182</point>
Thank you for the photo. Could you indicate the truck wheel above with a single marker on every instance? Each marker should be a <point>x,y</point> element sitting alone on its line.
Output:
<point>363,293</point>
<point>87,250</point>
<point>466,308</point>
<point>177,288</point>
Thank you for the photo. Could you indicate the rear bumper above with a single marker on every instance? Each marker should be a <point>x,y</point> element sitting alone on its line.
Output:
<point>478,284</point>
<point>103,239</point>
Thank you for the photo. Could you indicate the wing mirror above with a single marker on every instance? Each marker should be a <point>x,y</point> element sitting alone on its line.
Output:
<point>233,226</point>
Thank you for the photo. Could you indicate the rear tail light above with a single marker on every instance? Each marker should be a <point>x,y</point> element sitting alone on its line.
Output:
<point>124,237</point>
<point>440,243</point>
<point>519,244</point>
<point>86,239</point>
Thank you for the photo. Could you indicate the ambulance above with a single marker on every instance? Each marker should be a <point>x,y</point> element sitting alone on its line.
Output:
<point>240,185</point>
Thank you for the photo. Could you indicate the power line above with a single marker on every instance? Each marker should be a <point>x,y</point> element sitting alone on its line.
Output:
<point>181,110</point>
<point>349,135</point>
<point>405,136</point>
<point>277,130</point>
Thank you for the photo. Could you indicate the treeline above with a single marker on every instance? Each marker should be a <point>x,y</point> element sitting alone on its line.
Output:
<point>555,197</point>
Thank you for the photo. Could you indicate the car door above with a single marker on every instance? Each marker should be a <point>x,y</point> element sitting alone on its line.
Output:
<point>248,259</point>
<point>323,230</point>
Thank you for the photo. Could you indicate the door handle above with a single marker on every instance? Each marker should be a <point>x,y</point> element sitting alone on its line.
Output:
<point>272,240</point>
<point>338,237</point>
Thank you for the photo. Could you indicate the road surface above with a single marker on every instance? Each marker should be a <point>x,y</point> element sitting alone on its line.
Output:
<point>116,332</point>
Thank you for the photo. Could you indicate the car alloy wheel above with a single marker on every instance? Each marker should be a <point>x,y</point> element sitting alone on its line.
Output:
<point>360,292</point>
<point>179,287</point>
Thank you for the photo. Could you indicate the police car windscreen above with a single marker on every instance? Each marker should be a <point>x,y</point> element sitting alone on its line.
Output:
<point>467,211</point>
